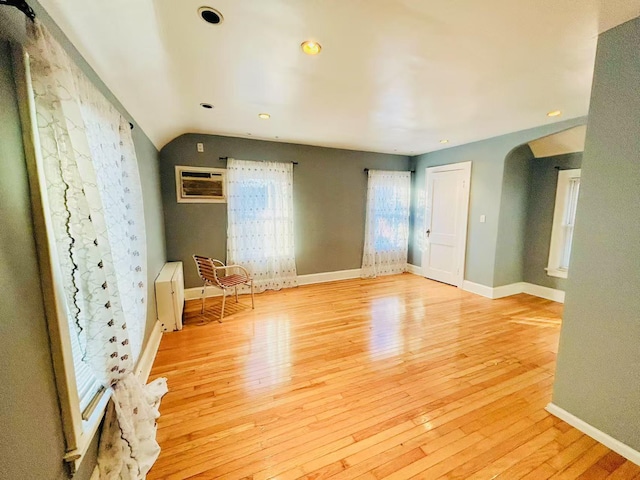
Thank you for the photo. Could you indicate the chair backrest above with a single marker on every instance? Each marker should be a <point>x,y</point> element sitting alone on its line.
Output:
<point>207,268</point>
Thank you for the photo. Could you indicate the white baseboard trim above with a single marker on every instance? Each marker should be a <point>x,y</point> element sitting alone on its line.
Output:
<point>477,288</point>
<point>143,368</point>
<point>196,292</point>
<point>607,440</point>
<point>514,289</point>
<point>508,290</point>
<point>416,270</point>
<point>544,292</point>
<point>328,276</point>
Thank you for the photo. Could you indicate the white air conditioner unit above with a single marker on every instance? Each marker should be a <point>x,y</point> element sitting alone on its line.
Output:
<point>200,185</point>
<point>170,296</point>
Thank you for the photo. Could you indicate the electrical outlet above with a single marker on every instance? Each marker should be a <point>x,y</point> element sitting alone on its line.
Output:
<point>200,147</point>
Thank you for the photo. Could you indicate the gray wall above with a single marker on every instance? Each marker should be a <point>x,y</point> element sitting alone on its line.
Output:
<point>488,157</point>
<point>513,218</point>
<point>543,182</point>
<point>149,167</point>
<point>32,443</point>
<point>598,372</point>
<point>329,193</point>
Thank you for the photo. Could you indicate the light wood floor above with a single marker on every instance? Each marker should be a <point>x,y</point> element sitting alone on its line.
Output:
<point>394,378</point>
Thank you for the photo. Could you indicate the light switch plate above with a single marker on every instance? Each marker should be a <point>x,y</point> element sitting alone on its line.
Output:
<point>483,218</point>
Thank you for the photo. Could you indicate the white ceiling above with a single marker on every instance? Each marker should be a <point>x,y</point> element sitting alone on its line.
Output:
<point>393,76</point>
<point>567,141</point>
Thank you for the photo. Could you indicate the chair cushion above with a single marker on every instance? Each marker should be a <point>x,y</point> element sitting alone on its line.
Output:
<point>232,280</point>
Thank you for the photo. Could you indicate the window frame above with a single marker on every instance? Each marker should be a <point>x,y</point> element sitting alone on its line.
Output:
<point>558,240</point>
<point>78,432</point>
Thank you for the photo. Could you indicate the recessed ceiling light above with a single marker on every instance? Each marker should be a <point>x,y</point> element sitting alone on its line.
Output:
<point>264,116</point>
<point>210,15</point>
<point>206,105</point>
<point>554,113</point>
<point>444,140</point>
<point>310,47</point>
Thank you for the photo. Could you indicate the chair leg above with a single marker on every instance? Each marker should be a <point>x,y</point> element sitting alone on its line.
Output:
<point>224,297</point>
<point>204,288</point>
<point>236,294</point>
<point>252,304</point>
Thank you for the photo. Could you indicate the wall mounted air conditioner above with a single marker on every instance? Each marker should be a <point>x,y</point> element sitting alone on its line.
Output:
<point>170,296</point>
<point>200,184</point>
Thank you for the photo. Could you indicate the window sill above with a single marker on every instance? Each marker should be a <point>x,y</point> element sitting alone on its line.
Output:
<point>556,272</point>
<point>89,431</point>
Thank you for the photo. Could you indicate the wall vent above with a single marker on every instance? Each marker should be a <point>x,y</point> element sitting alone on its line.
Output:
<point>200,185</point>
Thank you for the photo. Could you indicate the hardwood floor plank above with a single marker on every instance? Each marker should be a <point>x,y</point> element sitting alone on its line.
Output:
<point>315,467</point>
<point>397,463</point>
<point>583,462</point>
<point>626,471</point>
<point>543,471</point>
<point>396,377</point>
<point>611,461</point>
<point>435,457</point>
<point>572,452</point>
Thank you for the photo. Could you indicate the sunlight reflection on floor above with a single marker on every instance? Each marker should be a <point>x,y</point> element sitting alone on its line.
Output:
<point>537,321</point>
<point>269,360</point>
<point>386,337</point>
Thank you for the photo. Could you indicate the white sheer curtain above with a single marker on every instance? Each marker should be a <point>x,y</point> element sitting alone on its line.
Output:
<point>260,222</point>
<point>95,204</point>
<point>386,238</point>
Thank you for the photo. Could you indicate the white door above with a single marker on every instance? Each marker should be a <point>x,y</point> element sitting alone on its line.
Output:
<point>445,226</point>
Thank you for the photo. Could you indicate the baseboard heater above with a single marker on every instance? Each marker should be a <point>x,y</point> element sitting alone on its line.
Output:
<point>170,296</point>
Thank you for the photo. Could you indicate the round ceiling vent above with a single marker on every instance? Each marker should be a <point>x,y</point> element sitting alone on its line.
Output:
<point>210,15</point>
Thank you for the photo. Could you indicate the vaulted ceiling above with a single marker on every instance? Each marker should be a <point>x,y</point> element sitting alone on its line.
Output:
<point>393,76</point>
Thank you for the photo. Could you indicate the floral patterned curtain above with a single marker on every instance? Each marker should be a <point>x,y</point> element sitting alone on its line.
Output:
<point>386,238</point>
<point>95,206</point>
<point>260,222</point>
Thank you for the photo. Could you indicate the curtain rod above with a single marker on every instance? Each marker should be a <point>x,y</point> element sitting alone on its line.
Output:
<point>366,170</point>
<point>22,6</point>
<point>227,158</point>
<point>28,11</point>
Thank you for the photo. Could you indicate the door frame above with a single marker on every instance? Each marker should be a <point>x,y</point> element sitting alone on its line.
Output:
<point>465,167</point>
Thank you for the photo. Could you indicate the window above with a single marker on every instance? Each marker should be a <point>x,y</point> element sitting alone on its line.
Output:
<point>387,223</point>
<point>564,217</point>
<point>264,218</point>
<point>260,221</point>
<point>83,399</point>
<point>89,223</point>
<point>390,224</point>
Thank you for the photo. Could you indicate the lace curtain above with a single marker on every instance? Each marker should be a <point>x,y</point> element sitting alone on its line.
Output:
<point>95,207</point>
<point>260,222</point>
<point>386,238</point>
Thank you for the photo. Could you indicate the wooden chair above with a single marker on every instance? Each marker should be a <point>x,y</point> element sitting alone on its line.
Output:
<point>215,273</point>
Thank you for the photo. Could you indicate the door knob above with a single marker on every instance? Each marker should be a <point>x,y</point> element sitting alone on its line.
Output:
<point>428,233</point>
